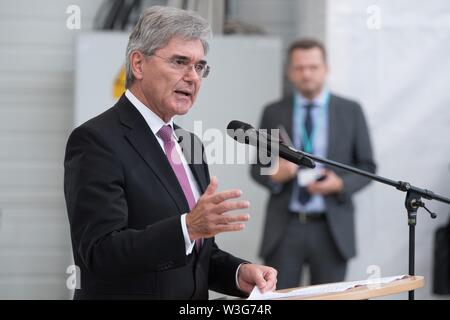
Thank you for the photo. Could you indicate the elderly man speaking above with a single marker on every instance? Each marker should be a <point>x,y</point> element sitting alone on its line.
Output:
<point>142,214</point>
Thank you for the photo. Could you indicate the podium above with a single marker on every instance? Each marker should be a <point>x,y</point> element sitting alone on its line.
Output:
<point>363,292</point>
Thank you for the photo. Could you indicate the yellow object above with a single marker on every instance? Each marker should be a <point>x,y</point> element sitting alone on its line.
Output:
<point>119,83</point>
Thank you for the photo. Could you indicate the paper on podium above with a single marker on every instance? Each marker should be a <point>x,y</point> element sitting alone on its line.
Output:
<point>320,289</point>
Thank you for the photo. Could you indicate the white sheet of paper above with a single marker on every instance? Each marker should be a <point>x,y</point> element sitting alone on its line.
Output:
<point>320,289</point>
<point>307,176</point>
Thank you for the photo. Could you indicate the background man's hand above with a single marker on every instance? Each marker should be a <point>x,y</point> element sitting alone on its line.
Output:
<point>331,184</point>
<point>251,275</point>
<point>208,217</point>
<point>286,171</point>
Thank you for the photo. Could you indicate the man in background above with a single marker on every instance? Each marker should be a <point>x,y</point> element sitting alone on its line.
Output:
<point>309,217</point>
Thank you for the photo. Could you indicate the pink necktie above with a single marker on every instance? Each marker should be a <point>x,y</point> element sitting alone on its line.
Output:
<point>165,133</point>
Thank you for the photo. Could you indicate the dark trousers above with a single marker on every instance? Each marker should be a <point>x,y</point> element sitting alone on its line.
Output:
<point>308,243</point>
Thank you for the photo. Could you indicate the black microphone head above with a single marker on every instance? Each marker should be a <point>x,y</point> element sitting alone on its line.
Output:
<point>235,125</point>
<point>242,132</point>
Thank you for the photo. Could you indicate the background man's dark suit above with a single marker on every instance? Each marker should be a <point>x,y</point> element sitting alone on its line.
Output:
<point>349,143</point>
<point>124,204</point>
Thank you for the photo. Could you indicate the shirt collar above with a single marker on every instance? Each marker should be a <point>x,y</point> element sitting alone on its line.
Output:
<point>154,122</point>
<point>320,100</point>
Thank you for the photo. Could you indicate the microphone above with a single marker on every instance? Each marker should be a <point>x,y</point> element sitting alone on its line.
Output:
<point>260,140</point>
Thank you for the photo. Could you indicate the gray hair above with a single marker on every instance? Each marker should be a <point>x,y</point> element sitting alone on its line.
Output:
<point>157,25</point>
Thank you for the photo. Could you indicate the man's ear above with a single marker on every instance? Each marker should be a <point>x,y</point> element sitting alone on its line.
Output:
<point>137,60</point>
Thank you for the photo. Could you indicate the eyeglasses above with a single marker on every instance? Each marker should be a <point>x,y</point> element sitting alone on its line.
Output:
<point>182,64</point>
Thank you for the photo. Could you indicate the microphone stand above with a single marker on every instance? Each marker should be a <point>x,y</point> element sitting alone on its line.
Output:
<point>414,195</point>
<point>413,201</point>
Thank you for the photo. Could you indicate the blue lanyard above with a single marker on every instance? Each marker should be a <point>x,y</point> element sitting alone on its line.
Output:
<point>308,141</point>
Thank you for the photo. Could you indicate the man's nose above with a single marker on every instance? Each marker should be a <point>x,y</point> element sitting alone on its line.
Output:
<point>306,73</point>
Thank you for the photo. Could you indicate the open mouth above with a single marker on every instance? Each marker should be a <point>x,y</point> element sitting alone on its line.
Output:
<point>184,92</point>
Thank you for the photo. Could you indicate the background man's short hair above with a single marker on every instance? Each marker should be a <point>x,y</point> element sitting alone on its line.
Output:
<point>307,43</point>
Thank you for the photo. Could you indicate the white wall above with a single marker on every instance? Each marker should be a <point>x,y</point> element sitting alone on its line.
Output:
<point>400,74</point>
<point>287,19</point>
<point>36,69</point>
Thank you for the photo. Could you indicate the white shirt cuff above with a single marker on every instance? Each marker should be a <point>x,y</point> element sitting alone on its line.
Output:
<point>187,240</point>
<point>237,275</point>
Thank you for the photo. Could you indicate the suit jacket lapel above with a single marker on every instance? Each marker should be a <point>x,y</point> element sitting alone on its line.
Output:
<point>288,117</point>
<point>193,153</point>
<point>333,122</point>
<point>146,145</point>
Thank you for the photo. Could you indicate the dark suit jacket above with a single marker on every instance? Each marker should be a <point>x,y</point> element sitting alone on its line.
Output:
<point>124,204</point>
<point>348,143</point>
